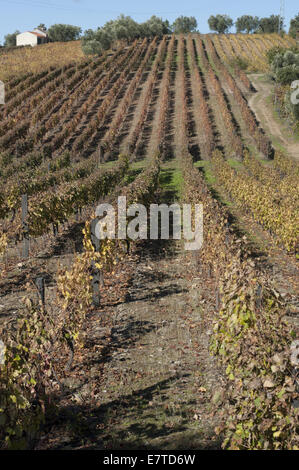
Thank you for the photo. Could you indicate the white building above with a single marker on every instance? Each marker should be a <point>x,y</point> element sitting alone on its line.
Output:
<point>32,38</point>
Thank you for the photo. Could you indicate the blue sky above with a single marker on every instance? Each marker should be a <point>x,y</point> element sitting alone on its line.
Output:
<point>27,14</point>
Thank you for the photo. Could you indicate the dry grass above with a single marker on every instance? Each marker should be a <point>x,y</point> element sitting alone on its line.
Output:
<point>33,59</point>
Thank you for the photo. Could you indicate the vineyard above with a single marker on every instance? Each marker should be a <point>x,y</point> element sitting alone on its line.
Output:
<point>198,347</point>
<point>19,63</point>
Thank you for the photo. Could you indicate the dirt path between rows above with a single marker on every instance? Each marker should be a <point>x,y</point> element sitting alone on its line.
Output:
<point>264,113</point>
<point>155,385</point>
<point>160,379</point>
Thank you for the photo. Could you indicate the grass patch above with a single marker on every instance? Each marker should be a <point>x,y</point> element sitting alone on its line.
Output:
<point>205,165</point>
<point>235,164</point>
<point>171,180</point>
<point>110,164</point>
<point>278,145</point>
<point>141,164</point>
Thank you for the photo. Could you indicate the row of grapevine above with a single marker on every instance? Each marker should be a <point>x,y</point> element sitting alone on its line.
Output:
<point>74,111</point>
<point>200,103</point>
<point>278,216</point>
<point>262,141</point>
<point>259,367</point>
<point>30,374</point>
<point>249,48</point>
<point>25,115</point>
<point>259,52</point>
<point>135,140</point>
<point>250,336</point>
<point>244,79</point>
<point>18,63</point>
<point>183,135</point>
<point>259,402</point>
<point>285,225</point>
<point>56,206</point>
<point>43,182</point>
<point>164,108</point>
<point>286,185</point>
<point>88,138</point>
<point>287,166</point>
<point>274,205</point>
<point>22,146</point>
<point>27,95</point>
<point>48,175</point>
<point>223,57</point>
<point>20,84</point>
<point>235,141</point>
<point>115,126</point>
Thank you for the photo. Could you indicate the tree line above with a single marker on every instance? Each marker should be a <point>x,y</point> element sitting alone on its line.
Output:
<point>252,24</point>
<point>125,28</point>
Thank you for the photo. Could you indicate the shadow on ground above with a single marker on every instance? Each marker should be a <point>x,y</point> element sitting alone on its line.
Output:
<point>132,423</point>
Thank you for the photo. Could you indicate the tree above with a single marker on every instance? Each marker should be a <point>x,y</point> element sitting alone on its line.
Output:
<point>166,27</point>
<point>274,51</point>
<point>285,72</point>
<point>124,28</point>
<point>220,23</point>
<point>92,47</point>
<point>184,24</point>
<point>64,32</point>
<point>285,66</point>
<point>155,27</point>
<point>10,40</point>
<point>271,24</point>
<point>247,23</point>
<point>95,42</point>
<point>42,27</point>
<point>294,27</point>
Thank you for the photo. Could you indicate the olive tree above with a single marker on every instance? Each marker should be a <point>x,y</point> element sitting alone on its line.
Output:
<point>247,23</point>
<point>184,24</point>
<point>95,42</point>
<point>294,26</point>
<point>10,40</point>
<point>270,24</point>
<point>220,23</point>
<point>64,32</point>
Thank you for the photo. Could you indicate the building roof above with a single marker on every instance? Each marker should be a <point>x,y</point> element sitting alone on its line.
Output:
<point>39,35</point>
<point>36,33</point>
